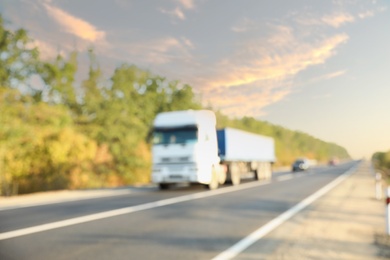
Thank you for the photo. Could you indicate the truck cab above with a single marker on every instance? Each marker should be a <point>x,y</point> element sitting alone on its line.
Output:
<point>185,149</point>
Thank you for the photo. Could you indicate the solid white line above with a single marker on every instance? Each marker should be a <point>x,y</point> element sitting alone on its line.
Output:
<point>85,197</point>
<point>127,210</point>
<point>264,230</point>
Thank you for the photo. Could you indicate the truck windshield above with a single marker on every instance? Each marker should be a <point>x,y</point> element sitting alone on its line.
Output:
<point>175,135</point>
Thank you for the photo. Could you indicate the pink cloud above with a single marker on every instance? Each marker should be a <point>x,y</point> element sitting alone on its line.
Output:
<point>259,73</point>
<point>74,25</point>
<point>246,101</point>
<point>256,63</point>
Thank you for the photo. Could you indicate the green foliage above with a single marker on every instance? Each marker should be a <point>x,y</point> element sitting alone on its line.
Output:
<point>381,162</point>
<point>59,77</point>
<point>18,60</point>
<point>39,147</point>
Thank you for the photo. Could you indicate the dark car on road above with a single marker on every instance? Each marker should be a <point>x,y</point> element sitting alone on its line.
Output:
<point>334,161</point>
<point>300,165</point>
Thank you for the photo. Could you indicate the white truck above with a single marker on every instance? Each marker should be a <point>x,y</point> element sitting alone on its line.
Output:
<point>187,148</point>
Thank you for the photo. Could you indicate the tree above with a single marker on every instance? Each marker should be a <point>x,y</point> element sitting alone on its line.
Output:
<point>59,78</point>
<point>93,90</point>
<point>18,57</point>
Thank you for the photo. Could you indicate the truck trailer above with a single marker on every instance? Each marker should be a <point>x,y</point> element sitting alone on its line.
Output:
<point>187,148</point>
<point>242,153</point>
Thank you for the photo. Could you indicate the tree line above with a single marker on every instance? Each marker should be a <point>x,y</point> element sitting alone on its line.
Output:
<point>60,133</point>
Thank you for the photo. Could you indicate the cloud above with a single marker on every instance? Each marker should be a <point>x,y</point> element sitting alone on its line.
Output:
<point>177,12</point>
<point>248,100</point>
<point>74,25</point>
<point>338,19</point>
<point>327,76</point>
<point>187,4</point>
<point>262,62</point>
<point>370,13</point>
<point>261,72</point>
<point>158,51</point>
<point>335,20</point>
<point>244,25</point>
<point>366,14</point>
<point>334,74</point>
<point>187,42</point>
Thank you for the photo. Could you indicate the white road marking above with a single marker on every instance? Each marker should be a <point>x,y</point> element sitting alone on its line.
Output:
<point>127,210</point>
<point>264,230</point>
<point>83,196</point>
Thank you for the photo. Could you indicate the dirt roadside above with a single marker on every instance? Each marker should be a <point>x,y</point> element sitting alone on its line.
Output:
<point>346,223</point>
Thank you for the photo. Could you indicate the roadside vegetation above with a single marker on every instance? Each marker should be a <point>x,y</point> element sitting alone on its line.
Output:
<point>381,163</point>
<point>57,132</point>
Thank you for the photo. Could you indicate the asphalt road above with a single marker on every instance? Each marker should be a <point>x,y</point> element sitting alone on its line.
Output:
<point>181,223</point>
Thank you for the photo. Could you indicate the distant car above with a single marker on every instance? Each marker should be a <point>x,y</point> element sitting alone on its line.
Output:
<point>333,161</point>
<point>300,165</point>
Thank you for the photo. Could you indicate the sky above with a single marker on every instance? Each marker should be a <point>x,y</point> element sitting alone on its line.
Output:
<point>319,67</point>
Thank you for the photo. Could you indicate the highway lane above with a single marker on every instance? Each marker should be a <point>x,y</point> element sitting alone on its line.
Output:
<point>193,229</point>
<point>37,215</point>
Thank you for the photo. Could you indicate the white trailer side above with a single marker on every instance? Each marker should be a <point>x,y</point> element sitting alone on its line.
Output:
<point>244,152</point>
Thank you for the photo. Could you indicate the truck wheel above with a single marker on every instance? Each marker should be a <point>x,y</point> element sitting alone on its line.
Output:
<point>164,186</point>
<point>214,181</point>
<point>257,175</point>
<point>235,174</point>
<point>222,176</point>
<point>260,172</point>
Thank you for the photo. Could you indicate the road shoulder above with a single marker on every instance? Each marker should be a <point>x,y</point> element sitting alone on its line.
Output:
<point>346,223</point>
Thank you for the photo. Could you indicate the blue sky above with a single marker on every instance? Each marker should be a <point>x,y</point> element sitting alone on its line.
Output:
<point>320,67</point>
